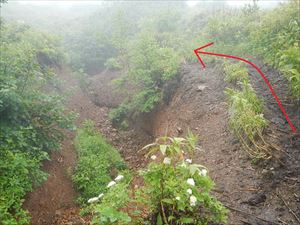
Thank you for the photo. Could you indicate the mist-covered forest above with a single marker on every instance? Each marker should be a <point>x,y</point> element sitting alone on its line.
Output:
<point>112,113</point>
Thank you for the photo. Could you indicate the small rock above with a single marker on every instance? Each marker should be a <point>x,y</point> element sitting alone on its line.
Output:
<point>58,212</point>
<point>201,88</point>
<point>179,130</point>
<point>256,199</point>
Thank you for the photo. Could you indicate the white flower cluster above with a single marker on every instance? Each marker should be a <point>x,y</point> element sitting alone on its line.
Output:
<point>167,161</point>
<point>153,157</point>
<point>188,161</point>
<point>95,199</point>
<point>110,184</point>
<point>203,172</point>
<point>191,181</point>
<point>193,199</point>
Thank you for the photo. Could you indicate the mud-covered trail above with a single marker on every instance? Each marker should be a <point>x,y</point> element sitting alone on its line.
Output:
<point>254,194</point>
<point>54,202</point>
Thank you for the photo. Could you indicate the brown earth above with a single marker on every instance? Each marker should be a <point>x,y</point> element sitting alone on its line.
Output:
<point>54,201</point>
<point>255,194</point>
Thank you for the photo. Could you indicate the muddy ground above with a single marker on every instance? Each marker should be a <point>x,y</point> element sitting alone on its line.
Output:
<point>256,194</point>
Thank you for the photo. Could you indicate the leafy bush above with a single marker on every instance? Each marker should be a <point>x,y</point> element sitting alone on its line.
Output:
<point>81,76</point>
<point>17,170</point>
<point>31,121</point>
<point>277,40</point>
<point>113,64</point>
<point>294,79</point>
<point>176,191</point>
<point>109,211</point>
<point>118,115</point>
<point>261,33</point>
<point>96,159</point>
<point>150,67</point>
<point>289,64</point>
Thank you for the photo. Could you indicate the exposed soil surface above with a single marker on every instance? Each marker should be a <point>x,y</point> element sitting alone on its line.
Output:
<point>55,201</point>
<point>256,194</point>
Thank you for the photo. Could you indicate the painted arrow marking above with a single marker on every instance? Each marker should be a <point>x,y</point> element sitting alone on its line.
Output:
<point>199,51</point>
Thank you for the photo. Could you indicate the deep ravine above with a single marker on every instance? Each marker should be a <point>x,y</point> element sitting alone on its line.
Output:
<point>198,104</point>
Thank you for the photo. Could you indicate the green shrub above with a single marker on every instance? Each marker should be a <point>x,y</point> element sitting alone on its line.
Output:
<point>113,64</point>
<point>109,211</point>
<point>18,173</point>
<point>176,191</point>
<point>118,115</point>
<point>289,64</point>
<point>276,38</point>
<point>82,77</point>
<point>294,79</point>
<point>150,67</point>
<point>96,160</point>
<point>31,120</point>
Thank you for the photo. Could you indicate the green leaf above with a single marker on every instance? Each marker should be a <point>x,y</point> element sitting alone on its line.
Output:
<point>159,220</point>
<point>167,200</point>
<point>163,149</point>
<point>186,220</point>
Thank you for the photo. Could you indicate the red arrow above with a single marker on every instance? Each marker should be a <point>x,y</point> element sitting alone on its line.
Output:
<point>199,51</point>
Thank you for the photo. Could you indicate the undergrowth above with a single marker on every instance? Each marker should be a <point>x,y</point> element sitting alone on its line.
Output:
<point>174,190</point>
<point>96,160</point>
<point>32,114</point>
<point>246,113</point>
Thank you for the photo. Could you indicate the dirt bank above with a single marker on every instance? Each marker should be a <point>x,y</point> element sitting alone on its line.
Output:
<point>255,194</point>
<point>55,201</point>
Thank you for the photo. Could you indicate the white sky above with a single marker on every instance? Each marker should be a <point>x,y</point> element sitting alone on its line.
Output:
<point>233,3</point>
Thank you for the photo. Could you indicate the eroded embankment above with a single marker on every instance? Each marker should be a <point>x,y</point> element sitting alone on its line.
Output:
<point>254,193</point>
<point>199,104</point>
<point>54,202</point>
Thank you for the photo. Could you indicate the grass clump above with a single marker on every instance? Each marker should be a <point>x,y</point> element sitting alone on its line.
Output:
<point>246,113</point>
<point>235,72</point>
<point>96,160</point>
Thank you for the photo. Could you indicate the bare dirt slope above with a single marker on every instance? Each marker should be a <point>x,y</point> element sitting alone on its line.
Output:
<point>54,201</point>
<point>252,192</point>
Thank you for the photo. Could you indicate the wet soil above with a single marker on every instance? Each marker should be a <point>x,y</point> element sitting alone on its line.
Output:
<point>255,194</point>
<point>54,202</point>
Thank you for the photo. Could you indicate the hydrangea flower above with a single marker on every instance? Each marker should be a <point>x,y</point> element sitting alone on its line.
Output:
<point>167,161</point>
<point>100,196</point>
<point>153,157</point>
<point>119,177</point>
<point>92,200</point>
<point>193,200</point>
<point>203,172</point>
<point>110,184</point>
<point>191,181</point>
<point>188,161</point>
<point>189,191</point>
